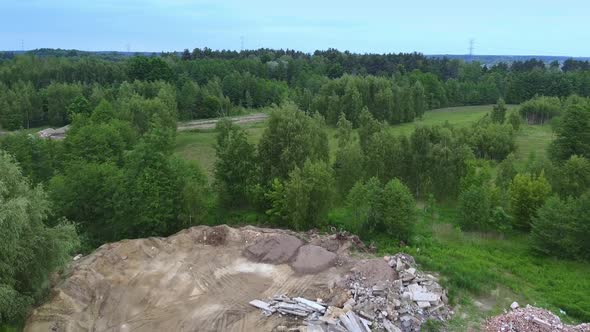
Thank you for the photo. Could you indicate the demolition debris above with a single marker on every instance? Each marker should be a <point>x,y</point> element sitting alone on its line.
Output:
<point>530,319</point>
<point>399,304</point>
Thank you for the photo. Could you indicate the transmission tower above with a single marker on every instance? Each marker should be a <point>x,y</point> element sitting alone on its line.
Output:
<point>242,43</point>
<point>471,47</point>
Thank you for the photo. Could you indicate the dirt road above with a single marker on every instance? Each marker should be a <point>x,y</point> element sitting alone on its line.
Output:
<point>210,123</point>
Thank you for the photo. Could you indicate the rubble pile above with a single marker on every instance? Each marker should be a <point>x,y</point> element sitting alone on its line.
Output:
<point>530,319</point>
<point>50,133</point>
<point>398,300</point>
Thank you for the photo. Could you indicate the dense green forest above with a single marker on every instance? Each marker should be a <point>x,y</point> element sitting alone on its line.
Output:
<point>326,155</point>
<point>36,90</point>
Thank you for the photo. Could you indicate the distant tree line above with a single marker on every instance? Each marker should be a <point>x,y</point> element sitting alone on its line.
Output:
<point>394,87</point>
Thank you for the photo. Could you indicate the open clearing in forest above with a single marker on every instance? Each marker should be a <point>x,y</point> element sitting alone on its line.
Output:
<point>211,123</point>
<point>199,145</point>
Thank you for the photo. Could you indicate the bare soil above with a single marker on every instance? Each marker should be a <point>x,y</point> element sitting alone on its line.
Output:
<point>200,279</point>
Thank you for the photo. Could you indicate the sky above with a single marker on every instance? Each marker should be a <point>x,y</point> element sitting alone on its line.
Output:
<point>516,27</point>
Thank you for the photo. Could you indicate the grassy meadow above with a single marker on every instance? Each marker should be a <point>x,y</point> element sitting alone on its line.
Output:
<point>199,145</point>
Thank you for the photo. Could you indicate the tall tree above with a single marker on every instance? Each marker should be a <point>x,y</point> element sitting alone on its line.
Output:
<point>306,197</point>
<point>527,194</point>
<point>29,249</point>
<point>290,138</point>
<point>235,166</point>
<point>573,134</point>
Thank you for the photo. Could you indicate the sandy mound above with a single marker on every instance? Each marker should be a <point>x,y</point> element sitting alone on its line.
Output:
<point>375,271</point>
<point>204,278</point>
<point>313,259</point>
<point>196,280</point>
<point>275,249</point>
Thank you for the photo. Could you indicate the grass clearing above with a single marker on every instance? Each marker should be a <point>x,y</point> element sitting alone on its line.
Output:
<point>462,116</point>
<point>533,138</point>
<point>199,145</point>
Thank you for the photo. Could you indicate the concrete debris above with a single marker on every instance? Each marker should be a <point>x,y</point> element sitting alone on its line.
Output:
<point>397,304</point>
<point>297,306</point>
<point>514,305</point>
<point>530,319</point>
<point>262,305</point>
<point>50,133</point>
<point>77,257</point>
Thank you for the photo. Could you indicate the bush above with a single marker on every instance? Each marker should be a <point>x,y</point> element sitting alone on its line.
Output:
<point>572,134</point>
<point>514,120</point>
<point>474,208</point>
<point>390,209</point>
<point>540,109</point>
<point>527,194</point>
<point>572,178</point>
<point>498,114</point>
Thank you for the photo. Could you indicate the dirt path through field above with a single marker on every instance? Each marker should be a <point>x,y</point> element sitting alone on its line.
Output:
<point>210,123</point>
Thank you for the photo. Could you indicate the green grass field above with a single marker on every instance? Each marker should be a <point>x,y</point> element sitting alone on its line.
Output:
<point>475,265</point>
<point>458,116</point>
<point>200,145</point>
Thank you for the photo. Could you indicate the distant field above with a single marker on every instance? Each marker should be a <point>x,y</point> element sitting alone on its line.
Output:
<point>199,145</point>
<point>458,116</point>
<point>533,139</point>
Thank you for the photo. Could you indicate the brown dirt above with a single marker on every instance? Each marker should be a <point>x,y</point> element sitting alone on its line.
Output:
<point>274,249</point>
<point>313,259</point>
<point>375,271</point>
<point>196,280</point>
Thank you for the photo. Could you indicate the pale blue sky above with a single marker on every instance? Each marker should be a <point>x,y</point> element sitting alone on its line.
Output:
<point>529,27</point>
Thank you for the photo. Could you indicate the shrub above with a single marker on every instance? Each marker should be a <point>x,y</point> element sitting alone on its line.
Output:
<point>390,209</point>
<point>399,210</point>
<point>540,109</point>
<point>527,194</point>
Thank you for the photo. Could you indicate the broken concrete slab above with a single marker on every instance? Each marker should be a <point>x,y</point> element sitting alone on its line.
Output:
<point>423,296</point>
<point>312,304</point>
<point>262,305</point>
